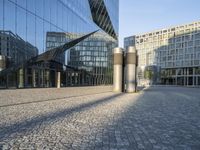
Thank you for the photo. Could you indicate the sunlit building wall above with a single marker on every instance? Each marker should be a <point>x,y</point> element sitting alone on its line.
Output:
<point>175,52</point>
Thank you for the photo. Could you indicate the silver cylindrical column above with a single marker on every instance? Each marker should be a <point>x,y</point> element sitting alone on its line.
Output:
<point>33,78</point>
<point>131,60</point>
<point>21,78</point>
<point>2,62</point>
<point>58,79</point>
<point>118,69</point>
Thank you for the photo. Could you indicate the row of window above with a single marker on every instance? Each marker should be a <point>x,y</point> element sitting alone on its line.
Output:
<point>179,38</point>
<point>186,28</point>
<point>180,64</point>
<point>89,63</point>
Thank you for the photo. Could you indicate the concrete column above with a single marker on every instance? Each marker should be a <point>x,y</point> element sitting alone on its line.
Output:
<point>79,79</point>
<point>70,78</point>
<point>66,78</point>
<point>2,62</point>
<point>118,69</point>
<point>193,77</point>
<point>176,77</point>
<point>184,76</point>
<point>131,60</point>
<point>41,78</point>
<point>6,82</point>
<point>26,77</point>
<point>21,78</point>
<point>47,72</point>
<point>33,78</point>
<point>58,79</point>
<point>83,78</point>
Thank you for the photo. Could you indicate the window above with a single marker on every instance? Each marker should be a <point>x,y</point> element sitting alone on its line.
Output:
<point>197,36</point>
<point>190,43</point>
<point>173,29</point>
<point>197,42</point>
<point>164,31</point>
<point>8,54</point>
<point>196,62</point>
<point>190,71</point>
<point>178,39</point>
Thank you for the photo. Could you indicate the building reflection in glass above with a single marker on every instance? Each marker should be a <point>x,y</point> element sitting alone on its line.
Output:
<point>31,27</point>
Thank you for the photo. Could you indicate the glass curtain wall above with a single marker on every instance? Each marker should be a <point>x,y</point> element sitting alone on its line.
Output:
<point>31,20</point>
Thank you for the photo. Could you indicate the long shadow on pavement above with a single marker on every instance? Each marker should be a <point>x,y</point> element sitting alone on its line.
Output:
<point>160,119</point>
<point>25,126</point>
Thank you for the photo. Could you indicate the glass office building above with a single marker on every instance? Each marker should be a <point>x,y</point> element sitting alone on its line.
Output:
<point>94,55</point>
<point>45,24</point>
<point>129,41</point>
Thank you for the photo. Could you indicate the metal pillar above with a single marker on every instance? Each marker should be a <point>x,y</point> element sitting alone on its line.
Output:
<point>71,79</point>
<point>193,77</point>
<point>41,78</point>
<point>196,80</point>
<point>176,78</point>
<point>131,60</point>
<point>47,78</point>
<point>21,78</point>
<point>83,78</point>
<point>58,79</point>
<point>33,78</point>
<point>25,77</point>
<point>118,69</point>
<point>66,79</point>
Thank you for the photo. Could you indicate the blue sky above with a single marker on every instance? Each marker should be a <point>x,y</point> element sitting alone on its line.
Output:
<point>140,16</point>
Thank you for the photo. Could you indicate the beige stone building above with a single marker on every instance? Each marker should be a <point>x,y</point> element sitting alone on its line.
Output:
<point>171,55</point>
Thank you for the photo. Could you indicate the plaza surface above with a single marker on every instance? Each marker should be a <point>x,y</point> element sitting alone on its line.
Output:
<point>160,118</point>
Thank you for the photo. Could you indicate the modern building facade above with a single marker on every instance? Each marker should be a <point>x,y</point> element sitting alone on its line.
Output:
<point>172,55</point>
<point>55,39</point>
<point>95,56</point>
<point>15,49</point>
<point>92,55</point>
<point>129,41</point>
<point>46,24</point>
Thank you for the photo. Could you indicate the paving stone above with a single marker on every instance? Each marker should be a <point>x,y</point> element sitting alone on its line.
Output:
<point>163,118</point>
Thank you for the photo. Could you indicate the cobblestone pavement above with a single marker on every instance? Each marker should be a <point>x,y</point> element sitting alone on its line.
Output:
<point>159,118</point>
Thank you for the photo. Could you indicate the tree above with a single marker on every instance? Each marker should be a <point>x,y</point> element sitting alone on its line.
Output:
<point>148,74</point>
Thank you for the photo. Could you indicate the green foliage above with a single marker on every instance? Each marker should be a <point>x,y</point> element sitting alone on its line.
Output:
<point>148,74</point>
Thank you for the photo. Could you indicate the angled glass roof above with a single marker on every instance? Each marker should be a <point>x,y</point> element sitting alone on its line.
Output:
<point>101,17</point>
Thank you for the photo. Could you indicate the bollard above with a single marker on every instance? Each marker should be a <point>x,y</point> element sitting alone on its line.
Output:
<point>58,80</point>
<point>33,78</point>
<point>21,78</point>
<point>131,60</point>
<point>118,69</point>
